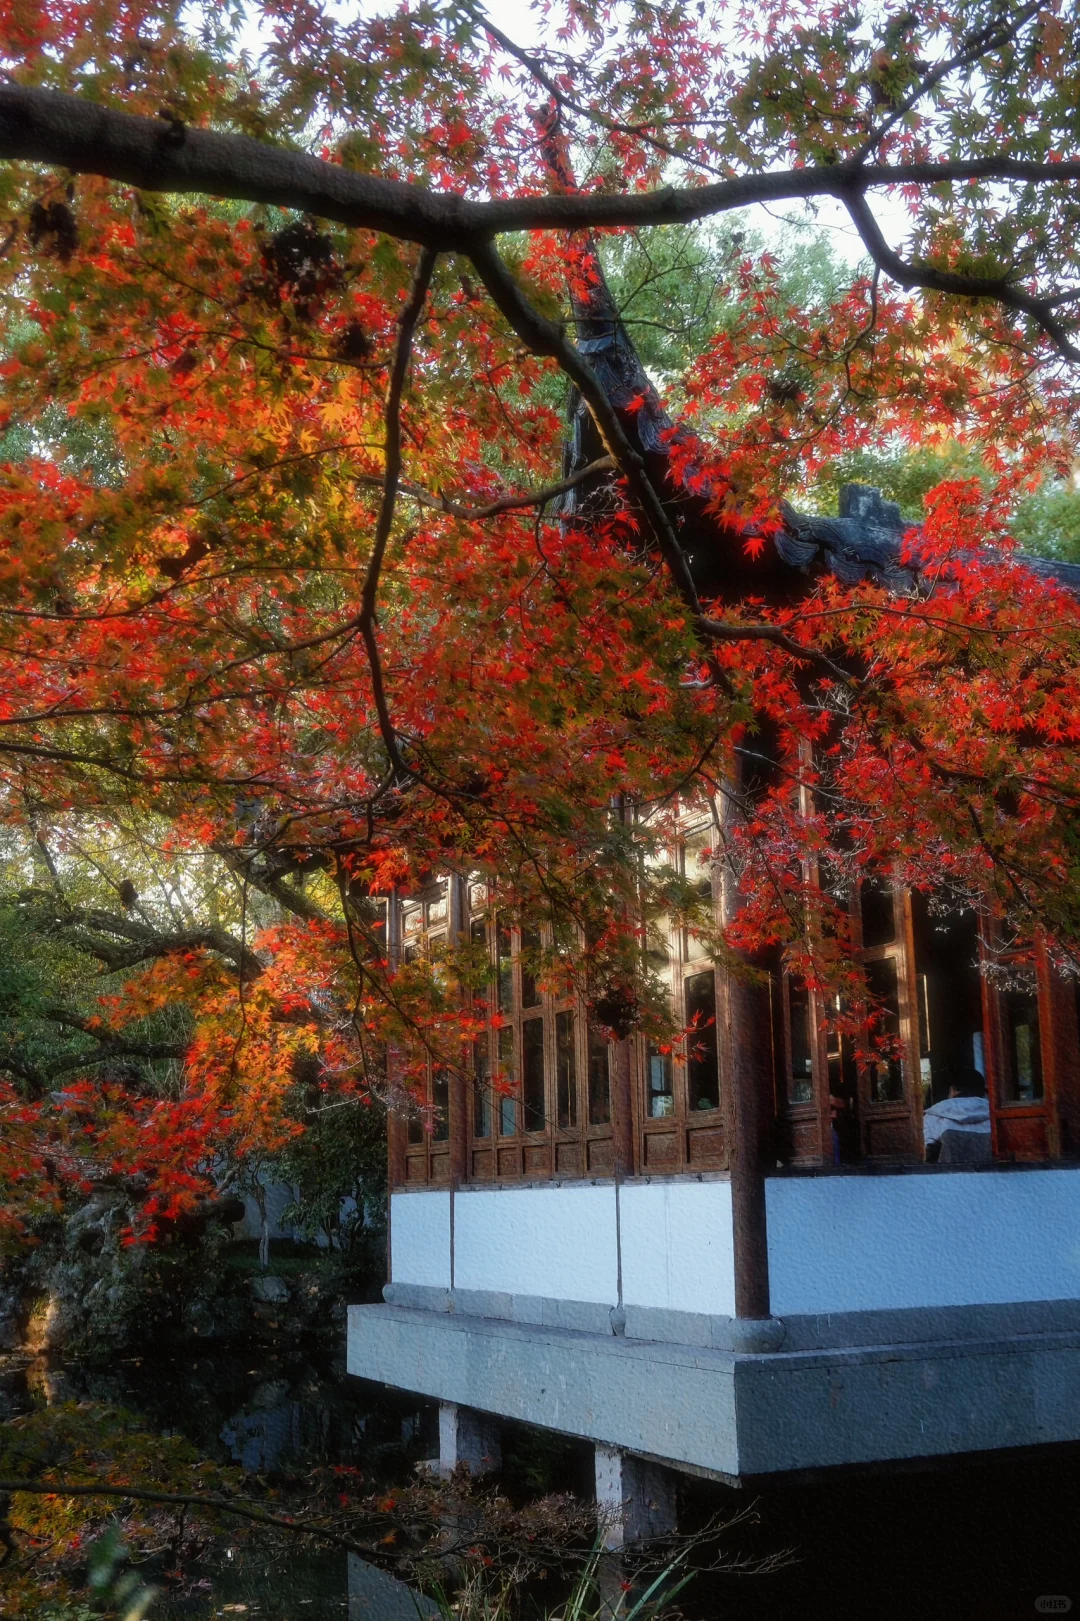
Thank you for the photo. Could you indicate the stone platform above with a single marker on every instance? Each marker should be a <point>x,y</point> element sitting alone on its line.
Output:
<point>971,1381</point>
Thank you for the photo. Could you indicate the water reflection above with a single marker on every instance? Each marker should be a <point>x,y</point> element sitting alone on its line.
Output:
<point>273,1415</point>
<point>277,1428</point>
<point>376,1596</point>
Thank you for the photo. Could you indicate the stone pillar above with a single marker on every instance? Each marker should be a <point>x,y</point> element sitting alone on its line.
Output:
<point>470,1438</point>
<point>635,1501</point>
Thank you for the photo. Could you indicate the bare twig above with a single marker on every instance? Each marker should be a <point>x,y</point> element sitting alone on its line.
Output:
<point>996,33</point>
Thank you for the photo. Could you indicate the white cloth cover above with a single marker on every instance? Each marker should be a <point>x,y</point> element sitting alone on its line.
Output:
<point>955,1114</point>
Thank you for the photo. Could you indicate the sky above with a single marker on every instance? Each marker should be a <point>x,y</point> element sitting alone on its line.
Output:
<point>521,19</point>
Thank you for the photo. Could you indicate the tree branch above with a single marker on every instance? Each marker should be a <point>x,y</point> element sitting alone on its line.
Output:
<point>70,132</point>
<point>718,630</point>
<point>270,883</point>
<point>997,288</point>
<point>592,115</point>
<point>545,337</point>
<point>365,619</point>
<point>986,39</point>
<point>220,1505</point>
<point>505,503</point>
<point>92,928</point>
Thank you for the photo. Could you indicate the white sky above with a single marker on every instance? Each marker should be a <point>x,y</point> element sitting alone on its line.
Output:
<point>523,22</point>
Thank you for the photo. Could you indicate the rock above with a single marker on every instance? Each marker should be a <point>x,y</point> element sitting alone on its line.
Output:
<point>270,1289</point>
<point>46,1329</point>
<point>11,1314</point>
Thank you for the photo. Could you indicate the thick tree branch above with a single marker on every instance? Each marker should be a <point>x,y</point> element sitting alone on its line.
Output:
<point>100,933</point>
<point>293,900</point>
<point>69,132</point>
<point>110,1045</point>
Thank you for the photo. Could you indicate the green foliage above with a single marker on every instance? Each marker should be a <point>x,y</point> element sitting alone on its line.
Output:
<point>1047,523</point>
<point>905,476</point>
<point>674,284</point>
<point>340,1157</point>
<point>112,1584</point>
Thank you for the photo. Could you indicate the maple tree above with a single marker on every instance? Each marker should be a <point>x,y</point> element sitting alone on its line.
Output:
<point>293,570</point>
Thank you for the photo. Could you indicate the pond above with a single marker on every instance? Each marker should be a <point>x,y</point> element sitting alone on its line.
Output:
<point>981,1540</point>
<point>275,1414</point>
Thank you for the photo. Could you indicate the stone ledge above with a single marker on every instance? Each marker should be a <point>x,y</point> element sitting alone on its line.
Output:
<point>730,1415</point>
<point>915,1325</point>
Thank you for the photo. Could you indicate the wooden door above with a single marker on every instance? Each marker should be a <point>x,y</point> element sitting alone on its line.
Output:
<point>890,1093</point>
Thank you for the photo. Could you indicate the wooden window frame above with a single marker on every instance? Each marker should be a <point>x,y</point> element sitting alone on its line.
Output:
<point>886,1130</point>
<point>551,1152</point>
<point>429,1161</point>
<point>1043,1128</point>
<point>686,1140</point>
<point>890,1129</point>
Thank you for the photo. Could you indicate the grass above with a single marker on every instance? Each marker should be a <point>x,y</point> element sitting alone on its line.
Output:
<point>600,1593</point>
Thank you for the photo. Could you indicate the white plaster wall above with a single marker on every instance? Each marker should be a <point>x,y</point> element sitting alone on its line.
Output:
<point>560,1242</point>
<point>420,1239</point>
<point>836,1243</point>
<point>871,1243</point>
<point>677,1246</point>
<point>555,1241</point>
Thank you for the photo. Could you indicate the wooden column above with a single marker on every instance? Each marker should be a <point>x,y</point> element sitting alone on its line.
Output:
<point>620,1074</point>
<point>395,1125</point>
<point>457,1088</point>
<point>395,1149</point>
<point>622,1106</point>
<point>746,1077</point>
<point>745,1046</point>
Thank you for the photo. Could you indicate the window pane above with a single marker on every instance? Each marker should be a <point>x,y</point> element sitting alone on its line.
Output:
<point>530,951</point>
<point>440,1098</point>
<point>506,971</point>
<point>1024,1079</point>
<point>507,1106</point>
<point>800,1078</point>
<point>658,946</point>
<point>886,1074</point>
<point>481,1090</point>
<point>533,1101</point>
<point>698,863</point>
<point>878,914</point>
<point>702,1074</point>
<point>659,1081</point>
<point>565,1070</point>
<point>599,1082</point>
<point>416,1131</point>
